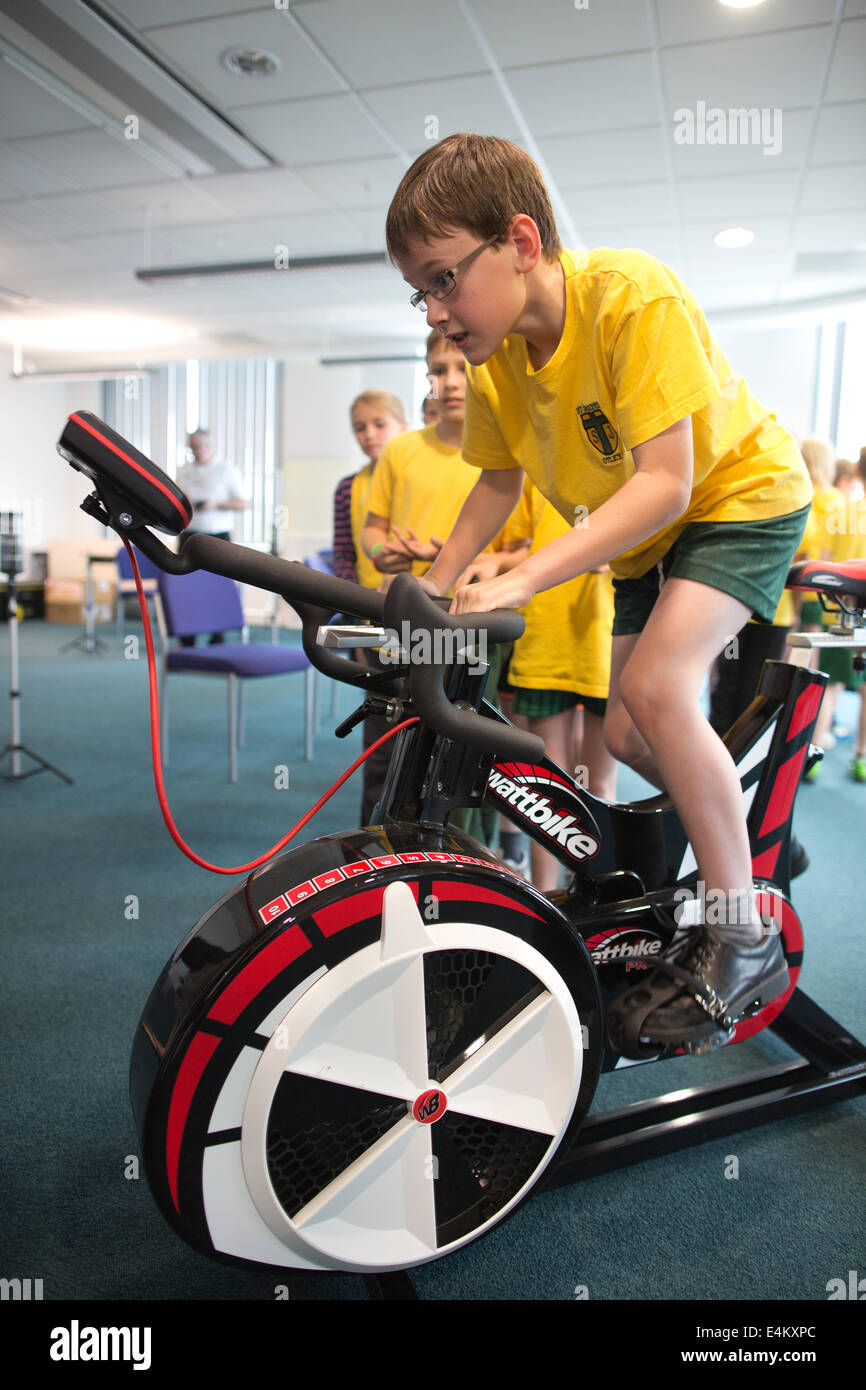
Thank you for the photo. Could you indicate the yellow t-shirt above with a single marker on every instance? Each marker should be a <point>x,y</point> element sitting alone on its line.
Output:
<point>366,571</point>
<point>421,483</point>
<point>635,356</point>
<point>567,642</point>
<point>846,527</point>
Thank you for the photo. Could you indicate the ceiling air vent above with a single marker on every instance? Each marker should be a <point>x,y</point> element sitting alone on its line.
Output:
<point>250,62</point>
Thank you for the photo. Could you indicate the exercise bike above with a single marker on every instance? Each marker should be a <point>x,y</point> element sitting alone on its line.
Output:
<point>373,1049</point>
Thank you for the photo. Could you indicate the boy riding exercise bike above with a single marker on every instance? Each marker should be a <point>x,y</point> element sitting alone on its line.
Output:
<point>374,1048</point>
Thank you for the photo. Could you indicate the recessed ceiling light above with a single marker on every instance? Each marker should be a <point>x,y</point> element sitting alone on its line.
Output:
<point>734,237</point>
<point>250,62</point>
<point>741,4</point>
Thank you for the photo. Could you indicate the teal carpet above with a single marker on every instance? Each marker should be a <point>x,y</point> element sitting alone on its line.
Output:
<point>78,964</point>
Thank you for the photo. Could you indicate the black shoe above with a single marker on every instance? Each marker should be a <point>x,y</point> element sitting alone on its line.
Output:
<point>799,859</point>
<point>696,1002</point>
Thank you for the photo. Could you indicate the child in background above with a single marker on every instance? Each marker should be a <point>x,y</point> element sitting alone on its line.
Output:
<point>561,661</point>
<point>818,456</point>
<point>376,417</point>
<point>419,488</point>
<point>597,373</point>
<point>421,482</point>
<point>842,537</point>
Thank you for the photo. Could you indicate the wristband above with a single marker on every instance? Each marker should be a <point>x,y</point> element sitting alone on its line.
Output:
<point>379,546</point>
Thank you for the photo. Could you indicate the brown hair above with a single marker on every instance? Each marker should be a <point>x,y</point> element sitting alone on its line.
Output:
<point>385,400</point>
<point>845,469</point>
<point>819,458</point>
<point>473,182</point>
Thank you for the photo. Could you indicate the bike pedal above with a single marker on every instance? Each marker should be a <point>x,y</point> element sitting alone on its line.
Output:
<point>701,1046</point>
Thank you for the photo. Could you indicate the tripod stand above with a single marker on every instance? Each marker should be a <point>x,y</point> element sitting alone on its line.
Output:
<point>11,566</point>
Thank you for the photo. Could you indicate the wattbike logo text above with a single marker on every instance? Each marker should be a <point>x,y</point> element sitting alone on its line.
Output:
<point>560,827</point>
<point>630,948</point>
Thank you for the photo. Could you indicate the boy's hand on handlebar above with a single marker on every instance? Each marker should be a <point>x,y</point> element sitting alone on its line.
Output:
<point>483,567</point>
<point>511,590</point>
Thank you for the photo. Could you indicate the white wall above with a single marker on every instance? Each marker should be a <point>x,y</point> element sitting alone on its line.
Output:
<point>34,479</point>
<point>318,446</point>
<point>780,365</point>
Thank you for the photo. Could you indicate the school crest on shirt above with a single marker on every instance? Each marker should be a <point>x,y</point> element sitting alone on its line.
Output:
<point>600,432</point>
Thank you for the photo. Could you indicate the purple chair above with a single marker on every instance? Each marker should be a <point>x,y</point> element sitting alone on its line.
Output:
<point>126,589</point>
<point>192,604</point>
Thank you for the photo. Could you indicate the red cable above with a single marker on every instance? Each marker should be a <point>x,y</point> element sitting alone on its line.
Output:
<point>157,756</point>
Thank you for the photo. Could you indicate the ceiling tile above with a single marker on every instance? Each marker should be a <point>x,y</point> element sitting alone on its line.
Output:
<point>682,21</point>
<point>831,231</point>
<point>841,134</point>
<point>657,240</point>
<point>27,108</point>
<point>24,177</point>
<point>771,234</point>
<point>303,234</point>
<point>706,161</point>
<point>605,156</point>
<point>739,195</point>
<point>357,183</point>
<point>168,204</point>
<point>197,49</point>
<point>847,80</point>
<point>266,191</point>
<point>595,94</point>
<point>855,7</point>
<point>146,14</point>
<point>312,131</point>
<point>767,70</point>
<point>621,204</point>
<point>734,267</point>
<point>534,34</point>
<point>408,39</point>
<point>93,158</point>
<point>835,186</point>
<point>457,103</point>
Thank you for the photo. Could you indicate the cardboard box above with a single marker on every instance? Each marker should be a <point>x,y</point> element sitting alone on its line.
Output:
<point>65,600</point>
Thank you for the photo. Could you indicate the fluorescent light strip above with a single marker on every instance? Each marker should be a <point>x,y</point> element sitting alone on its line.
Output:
<point>195,272</point>
<point>362,361</point>
<point>83,374</point>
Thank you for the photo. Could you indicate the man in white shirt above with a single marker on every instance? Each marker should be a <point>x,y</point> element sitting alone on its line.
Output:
<point>213,487</point>
<point>215,492</point>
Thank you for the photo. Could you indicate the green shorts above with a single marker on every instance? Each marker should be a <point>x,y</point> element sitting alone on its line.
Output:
<point>749,560</point>
<point>838,663</point>
<point>538,704</point>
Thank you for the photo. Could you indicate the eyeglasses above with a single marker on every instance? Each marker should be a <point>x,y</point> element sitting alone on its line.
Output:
<point>443,284</point>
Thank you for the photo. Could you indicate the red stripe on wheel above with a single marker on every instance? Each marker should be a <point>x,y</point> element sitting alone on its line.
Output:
<point>199,1053</point>
<point>338,916</point>
<point>257,974</point>
<point>449,891</point>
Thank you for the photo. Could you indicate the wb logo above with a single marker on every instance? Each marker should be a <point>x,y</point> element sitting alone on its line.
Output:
<point>429,1107</point>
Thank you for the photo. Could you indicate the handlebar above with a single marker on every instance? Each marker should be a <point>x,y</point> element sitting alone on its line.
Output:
<point>407,601</point>
<point>133,494</point>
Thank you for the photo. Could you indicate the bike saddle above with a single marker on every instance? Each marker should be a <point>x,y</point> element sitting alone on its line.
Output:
<point>831,577</point>
<point>128,478</point>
